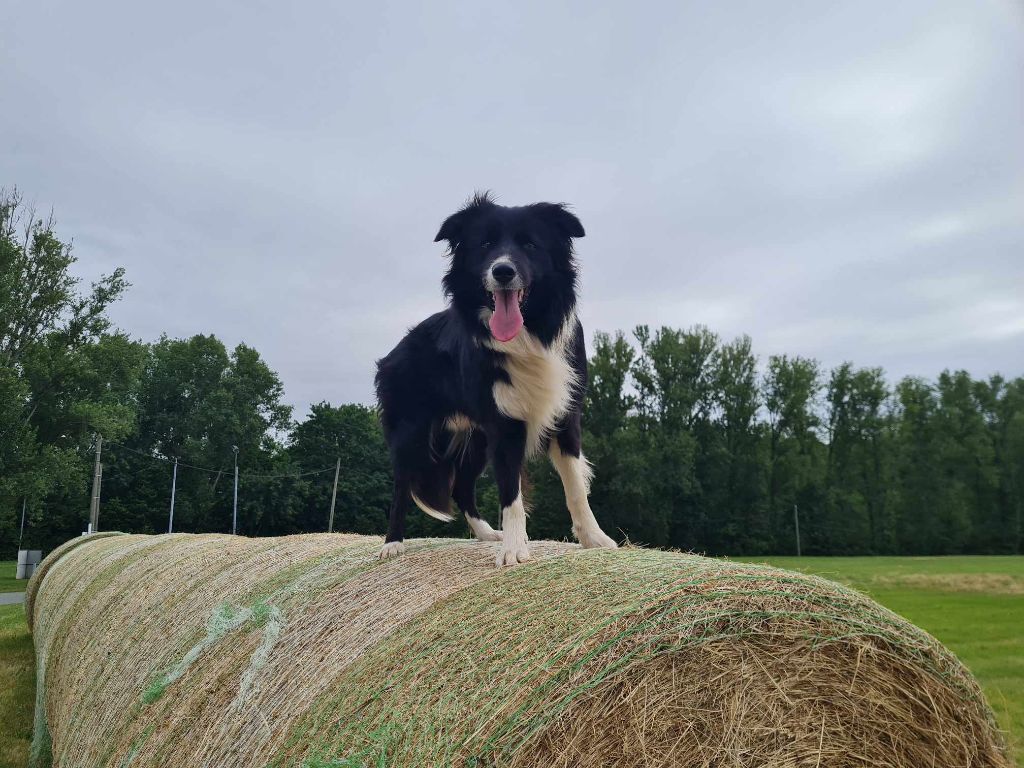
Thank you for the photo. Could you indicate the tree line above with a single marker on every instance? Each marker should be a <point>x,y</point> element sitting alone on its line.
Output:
<point>695,445</point>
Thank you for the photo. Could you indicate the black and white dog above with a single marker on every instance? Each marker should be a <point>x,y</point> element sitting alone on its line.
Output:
<point>498,376</point>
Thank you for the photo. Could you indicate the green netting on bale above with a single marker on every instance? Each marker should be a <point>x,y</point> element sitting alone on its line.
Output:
<point>308,651</point>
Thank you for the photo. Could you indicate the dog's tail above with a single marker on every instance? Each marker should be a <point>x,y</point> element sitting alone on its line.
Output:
<point>432,490</point>
<point>451,452</point>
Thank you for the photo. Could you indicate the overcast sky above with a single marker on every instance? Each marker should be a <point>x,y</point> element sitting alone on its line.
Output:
<point>838,180</point>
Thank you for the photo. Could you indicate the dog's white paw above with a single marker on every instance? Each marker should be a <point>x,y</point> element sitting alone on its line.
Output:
<point>510,553</point>
<point>489,535</point>
<point>482,529</point>
<point>595,538</point>
<point>392,549</point>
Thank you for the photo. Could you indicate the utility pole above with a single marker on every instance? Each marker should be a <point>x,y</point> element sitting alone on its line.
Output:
<point>174,483</point>
<point>796,522</point>
<point>21,536</point>
<point>334,495</point>
<point>234,513</point>
<point>97,475</point>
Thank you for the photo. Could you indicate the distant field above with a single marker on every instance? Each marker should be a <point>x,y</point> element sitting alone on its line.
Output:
<point>7,581</point>
<point>974,605</point>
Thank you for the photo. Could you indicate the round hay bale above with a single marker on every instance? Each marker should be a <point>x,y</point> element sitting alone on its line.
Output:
<point>210,650</point>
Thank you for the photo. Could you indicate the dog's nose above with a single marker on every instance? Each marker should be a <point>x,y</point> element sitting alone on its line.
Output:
<point>503,273</point>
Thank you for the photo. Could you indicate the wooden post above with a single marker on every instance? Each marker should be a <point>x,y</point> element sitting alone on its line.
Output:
<point>796,522</point>
<point>234,509</point>
<point>97,475</point>
<point>21,536</point>
<point>174,483</point>
<point>334,495</point>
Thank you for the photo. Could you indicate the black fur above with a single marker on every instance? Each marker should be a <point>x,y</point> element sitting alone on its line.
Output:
<point>442,367</point>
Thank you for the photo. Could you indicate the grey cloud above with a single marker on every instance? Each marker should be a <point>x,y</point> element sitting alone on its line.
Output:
<point>837,181</point>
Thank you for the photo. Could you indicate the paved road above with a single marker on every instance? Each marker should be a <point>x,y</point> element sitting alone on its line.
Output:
<point>11,598</point>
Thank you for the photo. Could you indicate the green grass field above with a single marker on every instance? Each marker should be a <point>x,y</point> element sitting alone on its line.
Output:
<point>975,605</point>
<point>17,687</point>
<point>7,581</point>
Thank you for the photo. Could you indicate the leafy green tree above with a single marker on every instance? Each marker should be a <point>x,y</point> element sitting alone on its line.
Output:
<point>353,434</point>
<point>965,466</point>
<point>673,376</point>
<point>923,525</point>
<point>740,522</point>
<point>197,403</point>
<point>997,526</point>
<point>1010,457</point>
<point>39,297</point>
<point>791,390</point>
<point>857,517</point>
<point>63,374</point>
<point>608,400</point>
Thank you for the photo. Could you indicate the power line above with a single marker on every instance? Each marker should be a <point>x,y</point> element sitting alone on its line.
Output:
<point>291,474</point>
<point>246,476</point>
<point>157,457</point>
<point>98,469</point>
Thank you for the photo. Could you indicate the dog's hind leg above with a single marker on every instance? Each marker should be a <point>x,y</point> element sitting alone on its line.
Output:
<point>400,501</point>
<point>408,443</point>
<point>473,460</point>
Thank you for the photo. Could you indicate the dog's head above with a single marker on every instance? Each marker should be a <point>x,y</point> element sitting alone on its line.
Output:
<point>512,267</point>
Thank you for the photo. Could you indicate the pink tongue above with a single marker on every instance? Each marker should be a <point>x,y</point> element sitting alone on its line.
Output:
<point>507,319</point>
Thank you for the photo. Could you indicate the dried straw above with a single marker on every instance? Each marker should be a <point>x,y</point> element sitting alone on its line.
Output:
<point>307,651</point>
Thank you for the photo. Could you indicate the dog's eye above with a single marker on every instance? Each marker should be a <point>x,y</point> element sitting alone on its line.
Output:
<point>530,245</point>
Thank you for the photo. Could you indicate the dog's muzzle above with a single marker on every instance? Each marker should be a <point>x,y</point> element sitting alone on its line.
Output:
<point>507,291</point>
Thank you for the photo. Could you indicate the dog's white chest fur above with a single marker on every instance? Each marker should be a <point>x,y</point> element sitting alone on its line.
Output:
<point>542,381</point>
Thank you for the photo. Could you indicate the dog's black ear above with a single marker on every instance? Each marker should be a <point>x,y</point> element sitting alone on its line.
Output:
<point>452,228</point>
<point>561,218</point>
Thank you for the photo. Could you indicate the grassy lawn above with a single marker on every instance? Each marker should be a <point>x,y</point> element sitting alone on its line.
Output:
<point>7,581</point>
<point>17,687</point>
<point>975,605</point>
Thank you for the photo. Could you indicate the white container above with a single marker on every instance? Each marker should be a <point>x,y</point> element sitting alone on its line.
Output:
<point>28,561</point>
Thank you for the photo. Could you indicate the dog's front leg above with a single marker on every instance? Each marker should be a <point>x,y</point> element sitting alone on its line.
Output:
<point>508,439</point>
